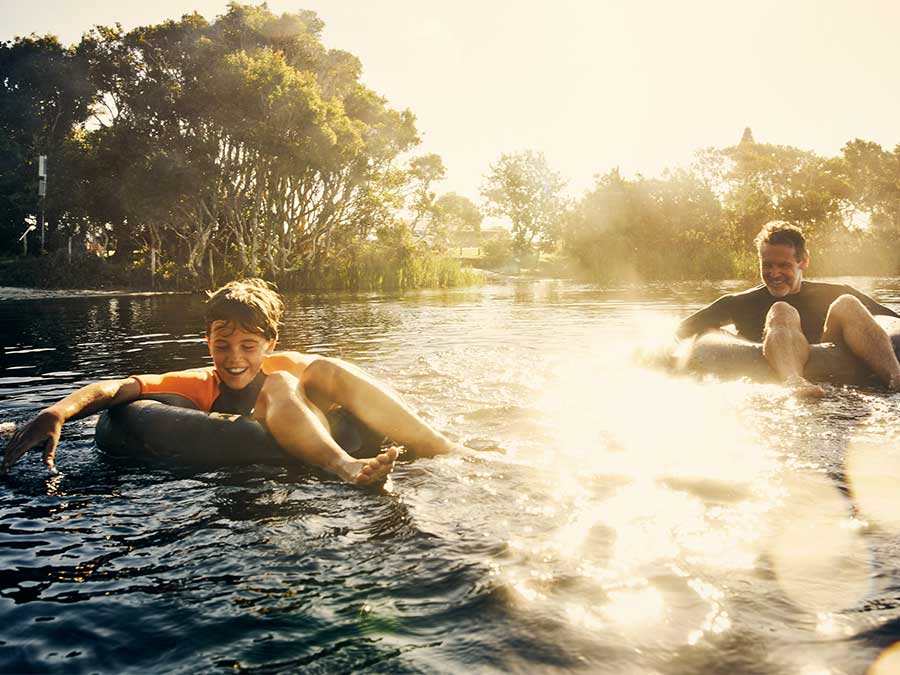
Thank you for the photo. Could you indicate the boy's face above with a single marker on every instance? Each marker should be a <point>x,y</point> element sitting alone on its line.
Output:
<point>237,354</point>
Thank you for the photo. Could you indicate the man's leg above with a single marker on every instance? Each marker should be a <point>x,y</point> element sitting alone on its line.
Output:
<point>302,430</point>
<point>850,323</point>
<point>373,403</point>
<point>786,349</point>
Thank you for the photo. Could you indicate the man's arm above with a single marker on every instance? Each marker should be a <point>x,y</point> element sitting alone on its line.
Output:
<point>709,318</point>
<point>373,402</point>
<point>44,430</point>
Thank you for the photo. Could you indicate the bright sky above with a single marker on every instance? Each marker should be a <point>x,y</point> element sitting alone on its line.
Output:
<point>594,84</point>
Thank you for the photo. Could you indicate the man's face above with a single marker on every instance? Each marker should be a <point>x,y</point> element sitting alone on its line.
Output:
<point>237,354</point>
<point>780,270</point>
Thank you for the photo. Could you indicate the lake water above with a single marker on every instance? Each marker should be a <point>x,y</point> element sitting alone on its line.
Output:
<point>613,519</point>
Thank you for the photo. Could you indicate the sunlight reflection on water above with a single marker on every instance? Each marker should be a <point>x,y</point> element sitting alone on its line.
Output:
<point>658,495</point>
<point>668,497</point>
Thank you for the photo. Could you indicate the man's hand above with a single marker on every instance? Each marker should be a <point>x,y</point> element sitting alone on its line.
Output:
<point>43,431</point>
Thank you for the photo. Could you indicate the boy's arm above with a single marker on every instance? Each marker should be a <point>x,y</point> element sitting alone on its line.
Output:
<point>46,427</point>
<point>373,402</point>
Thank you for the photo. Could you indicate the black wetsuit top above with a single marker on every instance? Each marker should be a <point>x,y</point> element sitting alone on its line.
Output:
<point>748,310</point>
<point>346,429</point>
<point>238,401</point>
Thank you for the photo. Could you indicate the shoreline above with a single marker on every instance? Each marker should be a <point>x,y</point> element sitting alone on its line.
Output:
<point>28,293</point>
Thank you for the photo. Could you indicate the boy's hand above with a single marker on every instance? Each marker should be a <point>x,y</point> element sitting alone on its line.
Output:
<point>43,430</point>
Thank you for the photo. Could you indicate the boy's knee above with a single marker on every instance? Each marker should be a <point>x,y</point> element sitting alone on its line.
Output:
<point>323,374</point>
<point>279,384</point>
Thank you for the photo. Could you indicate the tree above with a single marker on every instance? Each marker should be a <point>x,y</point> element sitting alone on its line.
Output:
<point>457,221</point>
<point>246,139</point>
<point>523,188</point>
<point>423,172</point>
<point>642,229</point>
<point>873,175</point>
<point>766,182</point>
<point>44,97</point>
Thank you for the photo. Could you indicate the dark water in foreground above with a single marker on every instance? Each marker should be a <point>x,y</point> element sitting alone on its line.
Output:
<point>614,520</point>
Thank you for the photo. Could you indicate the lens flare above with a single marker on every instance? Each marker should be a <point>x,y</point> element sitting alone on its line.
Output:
<point>873,473</point>
<point>819,558</point>
<point>887,663</point>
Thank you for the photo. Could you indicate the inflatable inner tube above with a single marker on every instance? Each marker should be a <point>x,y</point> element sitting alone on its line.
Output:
<point>170,429</point>
<point>730,357</point>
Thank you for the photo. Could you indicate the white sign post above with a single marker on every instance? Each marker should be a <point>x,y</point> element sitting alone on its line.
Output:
<point>42,190</point>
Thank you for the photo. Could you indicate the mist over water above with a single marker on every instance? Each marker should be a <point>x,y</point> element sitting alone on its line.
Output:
<point>613,519</point>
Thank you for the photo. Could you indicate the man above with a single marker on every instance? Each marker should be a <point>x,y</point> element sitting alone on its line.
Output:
<point>787,314</point>
<point>289,392</point>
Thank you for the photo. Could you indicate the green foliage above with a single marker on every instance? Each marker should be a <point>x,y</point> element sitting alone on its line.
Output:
<point>54,270</point>
<point>238,147</point>
<point>44,96</point>
<point>523,188</point>
<point>498,251</point>
<point>628,230</point>
<point>392,261</point>
<point>423,172</point>
<point>455,221</point>
<point>702,223</point>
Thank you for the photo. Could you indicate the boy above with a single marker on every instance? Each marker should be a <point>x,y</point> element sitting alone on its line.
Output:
<point>286,391</point>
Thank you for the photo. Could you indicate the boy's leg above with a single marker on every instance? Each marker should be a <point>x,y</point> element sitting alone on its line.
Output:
<point>373,403</point>
<point>850,323</point>
<point>787,351</point>
<point>302,430</point>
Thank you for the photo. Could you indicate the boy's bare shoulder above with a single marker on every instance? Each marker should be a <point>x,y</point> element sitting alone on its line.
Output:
<point>288,360</point>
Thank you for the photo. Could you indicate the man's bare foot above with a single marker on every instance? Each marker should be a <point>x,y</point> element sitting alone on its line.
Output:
<point>369,471</point>
<point>803,389</point>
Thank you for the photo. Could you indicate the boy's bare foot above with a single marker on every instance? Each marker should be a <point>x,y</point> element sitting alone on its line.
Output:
<point>441,446</point>
<point>803,389</point>
<point>7,429</point>
<point>369,471</point>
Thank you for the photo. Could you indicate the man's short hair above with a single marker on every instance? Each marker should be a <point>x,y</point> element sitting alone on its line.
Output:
<point>777,232</point>
<point>253,304</point>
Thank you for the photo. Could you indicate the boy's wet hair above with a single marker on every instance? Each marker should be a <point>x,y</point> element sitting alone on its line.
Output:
<point>777,232</point>
<point>253,304</point>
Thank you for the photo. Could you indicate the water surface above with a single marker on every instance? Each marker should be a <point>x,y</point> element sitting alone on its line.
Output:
<point>613,519</point>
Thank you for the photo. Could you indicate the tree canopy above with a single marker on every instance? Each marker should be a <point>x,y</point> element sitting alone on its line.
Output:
<point>523,188</point>
<point>243,146</point>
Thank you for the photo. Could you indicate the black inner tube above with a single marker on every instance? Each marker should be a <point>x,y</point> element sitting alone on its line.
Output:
<point>728,357</point>
<point>168,428</point>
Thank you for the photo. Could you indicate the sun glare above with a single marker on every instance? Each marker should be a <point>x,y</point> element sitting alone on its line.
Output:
<point>873,473</point>
<point>818,556</point>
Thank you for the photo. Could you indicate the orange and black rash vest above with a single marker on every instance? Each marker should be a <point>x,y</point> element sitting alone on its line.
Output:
<point>204,389</point>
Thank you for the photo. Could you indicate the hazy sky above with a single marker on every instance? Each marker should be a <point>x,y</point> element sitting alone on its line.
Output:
<point>595,84</point>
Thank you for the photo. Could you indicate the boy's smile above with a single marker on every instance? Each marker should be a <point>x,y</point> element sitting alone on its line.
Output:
<point>237,354</point>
